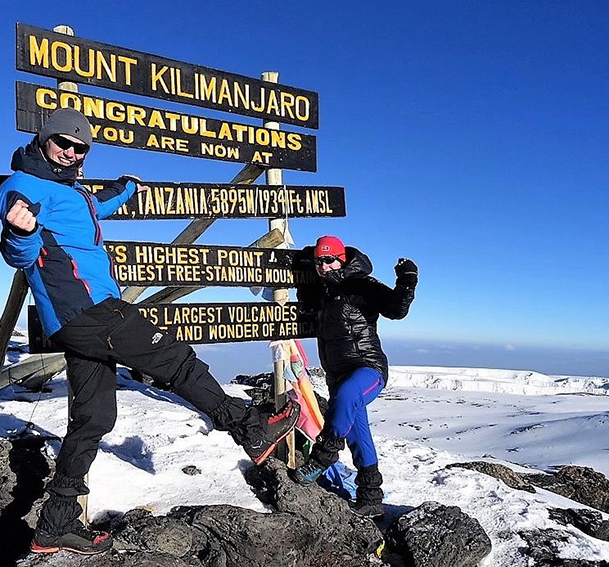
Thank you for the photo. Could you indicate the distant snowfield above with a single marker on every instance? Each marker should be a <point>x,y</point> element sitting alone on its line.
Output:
<point>498,381</point>
<point>427,418</point>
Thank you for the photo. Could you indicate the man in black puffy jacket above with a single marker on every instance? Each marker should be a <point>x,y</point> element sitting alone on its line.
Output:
<point>347,302</point>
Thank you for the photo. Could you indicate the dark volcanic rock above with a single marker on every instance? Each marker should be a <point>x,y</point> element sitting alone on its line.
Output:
<point>498,471</point>
<point>582,484</point>
<point>544,549</point>
<point>144,532</point>
<point>310,528</point>
<point>264,380</point>
<point>323,519</point>
<point>24,469</point>
<point>262,393</point>
<point>588,521</point>
<point>434,535</point>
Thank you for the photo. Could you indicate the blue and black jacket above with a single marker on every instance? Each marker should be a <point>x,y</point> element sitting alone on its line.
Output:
<point>65,264</point>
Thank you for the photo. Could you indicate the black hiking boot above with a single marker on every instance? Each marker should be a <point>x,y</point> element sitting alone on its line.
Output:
<point>79,540</point>
<point>367,509</point>
<point>260,442</point>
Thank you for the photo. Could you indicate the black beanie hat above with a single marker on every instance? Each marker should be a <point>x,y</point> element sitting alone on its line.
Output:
<point>67,121</point>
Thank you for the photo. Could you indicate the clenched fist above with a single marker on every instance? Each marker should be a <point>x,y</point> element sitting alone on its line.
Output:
<point>407,273</point>
<point>21,218</point>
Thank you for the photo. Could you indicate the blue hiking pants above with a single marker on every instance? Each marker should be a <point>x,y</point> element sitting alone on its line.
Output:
<point>347,417</point>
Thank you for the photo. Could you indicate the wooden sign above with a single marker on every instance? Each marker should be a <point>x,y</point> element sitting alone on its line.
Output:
<point>204,323</point>
<point>69,58</point>
<point>168,265</point>
<point>168,200</point>
<point>201,323</point>
<point>131,125</point>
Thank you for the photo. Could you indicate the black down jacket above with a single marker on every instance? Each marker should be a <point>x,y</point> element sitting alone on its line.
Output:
<point>346,311</point>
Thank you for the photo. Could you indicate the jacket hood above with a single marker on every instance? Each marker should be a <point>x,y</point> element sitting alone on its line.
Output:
<point>358,265</point>
<point>31,160</point>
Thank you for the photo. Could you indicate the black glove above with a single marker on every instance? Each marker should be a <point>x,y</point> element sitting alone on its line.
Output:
<point>335,276</point>
<point>407,273</point>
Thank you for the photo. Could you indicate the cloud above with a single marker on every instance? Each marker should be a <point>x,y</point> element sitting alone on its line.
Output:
<point>509,348</point>
<point>422,351</point>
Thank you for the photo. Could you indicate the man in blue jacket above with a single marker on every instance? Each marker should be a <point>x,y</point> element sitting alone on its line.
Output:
<point>51,230</point>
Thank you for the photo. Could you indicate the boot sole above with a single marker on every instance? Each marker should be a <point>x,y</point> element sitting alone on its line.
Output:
<point>42,550</point>
<point>39,549</point>
<point>259,460</point>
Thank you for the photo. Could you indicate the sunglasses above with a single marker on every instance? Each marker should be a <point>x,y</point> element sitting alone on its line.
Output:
<point>66,144</point>
<point>326,260</point>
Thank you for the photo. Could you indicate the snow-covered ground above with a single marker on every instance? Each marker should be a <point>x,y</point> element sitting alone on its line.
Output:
<point>425,419</point>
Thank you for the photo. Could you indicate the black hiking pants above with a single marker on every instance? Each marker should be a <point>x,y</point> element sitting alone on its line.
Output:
<point>95,341</point>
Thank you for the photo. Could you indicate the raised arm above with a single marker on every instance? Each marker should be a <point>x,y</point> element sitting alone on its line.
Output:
<point>21,241</point>
<point>109,200</point>
<point>395,303</point>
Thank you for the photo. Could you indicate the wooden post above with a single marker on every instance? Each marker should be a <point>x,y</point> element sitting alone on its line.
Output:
<point>34,371</point>
<point>285,451</point>
<point>14,303</point>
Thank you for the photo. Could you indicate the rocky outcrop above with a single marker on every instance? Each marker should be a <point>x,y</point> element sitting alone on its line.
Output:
<point>261,388</point>
<point>325,519</point>
<point>582,484</point>
<point>588,521</point>
<point>498,471</point>
<point>308,527</point>
<point>24,469</point>
<point>304,526</point>
<point>434,535</point>
<point>544,549</point>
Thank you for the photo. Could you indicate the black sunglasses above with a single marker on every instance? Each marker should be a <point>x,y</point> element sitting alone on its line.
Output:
<point>65,144</point>
<point>326,260</point>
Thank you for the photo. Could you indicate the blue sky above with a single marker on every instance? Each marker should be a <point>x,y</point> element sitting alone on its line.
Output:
<point>471,136</point>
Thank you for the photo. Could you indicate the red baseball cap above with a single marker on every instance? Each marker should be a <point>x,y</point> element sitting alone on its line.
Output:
<point>330,246</point>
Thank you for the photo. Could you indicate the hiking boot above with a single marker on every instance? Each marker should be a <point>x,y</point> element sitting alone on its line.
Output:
<point>367,509</point>
<point>307,473</point>
<point>79,539</point>
<point>260,442</point>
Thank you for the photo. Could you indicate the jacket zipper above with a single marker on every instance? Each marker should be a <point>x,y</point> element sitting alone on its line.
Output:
<point>91,206</point>
<point>43,253</point>
<point>75,273</point>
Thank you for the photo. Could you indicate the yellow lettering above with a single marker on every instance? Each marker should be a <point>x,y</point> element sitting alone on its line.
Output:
<point>128,61</point>
<point>39,54</point>
<point>115,111</point>
<point>46,98</point>
<point>60,45</point>
<point>110,68</point>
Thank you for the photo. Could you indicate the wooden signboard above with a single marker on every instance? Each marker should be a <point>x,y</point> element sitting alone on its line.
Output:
<point>205,323</point>
<point>135,126</point>
<point>171,200</point>
<point>170,265</point>
<point>168,200</point>
<point>69,58</point>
